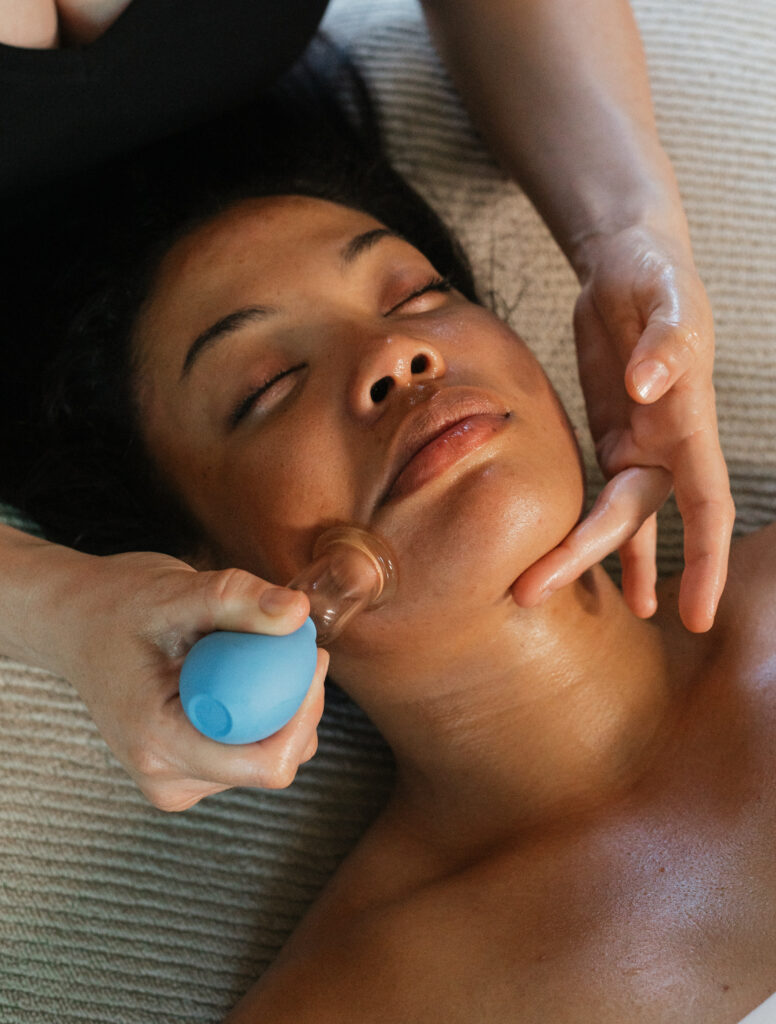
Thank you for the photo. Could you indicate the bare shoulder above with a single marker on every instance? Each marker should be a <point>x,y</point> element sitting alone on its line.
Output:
<point>749,600</point>
<point>346,975</point>
<point>345,938</point>
<point>741,647</point>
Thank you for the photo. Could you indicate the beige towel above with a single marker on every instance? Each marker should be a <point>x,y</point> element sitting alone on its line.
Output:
<point>112,911</point>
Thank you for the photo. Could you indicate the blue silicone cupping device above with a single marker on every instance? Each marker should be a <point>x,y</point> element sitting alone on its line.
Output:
<point>243,687</point>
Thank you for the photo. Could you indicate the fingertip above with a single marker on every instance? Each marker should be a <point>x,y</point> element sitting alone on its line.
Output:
<point>697,624</point>
<point>280,611</point>
<point>640,598</point>
<point>696,620</point>
<point>647,607</point>
<point>539,581</point>
<point>280,601</point>
<point>526,594</point>
<point>697,616</point>
<point>237,600</point>
<point>648,380</point>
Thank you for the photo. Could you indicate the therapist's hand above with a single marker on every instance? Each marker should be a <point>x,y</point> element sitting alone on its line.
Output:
<point>644,335</point>
<point>126,623</point>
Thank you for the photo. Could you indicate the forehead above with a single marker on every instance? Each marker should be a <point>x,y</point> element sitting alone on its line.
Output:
<point>270,231</point>
<point>264,238</point>
<point>215,267</point>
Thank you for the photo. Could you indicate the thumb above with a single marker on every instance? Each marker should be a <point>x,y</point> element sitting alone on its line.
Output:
<point>233,599</point>
<point>665,352</point>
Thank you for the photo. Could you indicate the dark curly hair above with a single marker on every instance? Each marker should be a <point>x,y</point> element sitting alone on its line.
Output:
<point>73,458</point>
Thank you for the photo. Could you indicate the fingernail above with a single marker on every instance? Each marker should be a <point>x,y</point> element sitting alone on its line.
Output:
<point>649,378</point>
<point>277,600</point>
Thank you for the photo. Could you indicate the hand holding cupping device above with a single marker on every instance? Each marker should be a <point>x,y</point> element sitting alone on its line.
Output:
<point>127,622</point>
<point>644,336</point>
<point>243,687</point>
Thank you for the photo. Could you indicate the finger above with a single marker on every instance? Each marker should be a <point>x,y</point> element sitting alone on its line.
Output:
<point>246,603</point>
<point>665,352</point>
<point>288,748</point>
<point>707,510</point>
<point>233,599</point>
<point>639,569</point>
<point>177,796</point>
<point>311,749</point>
<point>619,511</point>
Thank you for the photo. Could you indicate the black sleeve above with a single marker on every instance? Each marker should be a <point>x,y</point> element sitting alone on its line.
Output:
<point>162,66</point>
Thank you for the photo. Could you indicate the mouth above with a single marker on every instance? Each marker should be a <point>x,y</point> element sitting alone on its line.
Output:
<point>438,434</point>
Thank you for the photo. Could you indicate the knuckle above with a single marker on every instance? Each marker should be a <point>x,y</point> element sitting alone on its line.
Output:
<point>684,346</point>
<point>679,339</point>
<point>606,451</point>
<point>227,585</point>
<point>279,776</point>
<point>144,759</point>
<point>166,799</point>
<point>312,747</point>
<point>715,515</point>
<point>721,508</point>
<point>725,512</point>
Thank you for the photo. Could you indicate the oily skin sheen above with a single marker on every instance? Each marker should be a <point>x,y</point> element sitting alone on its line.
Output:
<point>582,826</point>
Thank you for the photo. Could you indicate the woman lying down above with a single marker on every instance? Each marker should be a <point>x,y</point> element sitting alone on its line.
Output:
<point>584,814</point>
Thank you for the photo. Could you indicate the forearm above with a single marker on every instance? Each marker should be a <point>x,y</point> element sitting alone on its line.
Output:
<point>36,577</point>
<point>559,89</point>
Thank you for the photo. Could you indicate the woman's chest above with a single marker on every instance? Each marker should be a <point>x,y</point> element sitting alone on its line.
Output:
<point>651,918</point>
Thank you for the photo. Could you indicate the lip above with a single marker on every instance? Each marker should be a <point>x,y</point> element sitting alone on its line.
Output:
<point>438,434</point>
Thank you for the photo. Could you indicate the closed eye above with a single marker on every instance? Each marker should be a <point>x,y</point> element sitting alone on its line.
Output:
<point>435,284</point>
<point>245,405</point>
<point>241,410</point>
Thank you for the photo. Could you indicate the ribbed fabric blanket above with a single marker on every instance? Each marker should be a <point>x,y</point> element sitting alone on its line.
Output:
<point>112,911</point>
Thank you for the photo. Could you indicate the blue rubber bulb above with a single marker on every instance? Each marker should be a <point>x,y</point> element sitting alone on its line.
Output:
<point>242,687</point>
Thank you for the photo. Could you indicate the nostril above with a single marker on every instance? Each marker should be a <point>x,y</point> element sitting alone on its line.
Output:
<point>380,389</point>
<point>419,364</point>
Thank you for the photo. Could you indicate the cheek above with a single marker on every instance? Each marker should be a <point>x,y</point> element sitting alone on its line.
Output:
<point>264,508</point>
<point>490,526</point>
<point>460,549</point>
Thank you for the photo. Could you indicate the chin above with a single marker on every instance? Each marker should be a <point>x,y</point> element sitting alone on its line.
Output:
<point>460,547</point>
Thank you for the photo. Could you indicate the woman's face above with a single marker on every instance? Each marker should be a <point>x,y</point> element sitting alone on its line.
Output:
<point>301,366</point>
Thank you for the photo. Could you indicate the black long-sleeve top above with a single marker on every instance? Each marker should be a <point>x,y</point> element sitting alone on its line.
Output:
<point>160,67</point>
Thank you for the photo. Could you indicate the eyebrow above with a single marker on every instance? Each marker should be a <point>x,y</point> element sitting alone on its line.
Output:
<point>232,322</point>
<point>226,325</point>
<point>364,242</point>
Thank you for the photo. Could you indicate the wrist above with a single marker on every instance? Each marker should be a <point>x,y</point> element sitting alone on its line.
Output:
<point>40,583</point>
<point>652,213</point>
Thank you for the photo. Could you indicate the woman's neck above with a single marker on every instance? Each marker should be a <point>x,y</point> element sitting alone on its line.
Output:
<point>562,711</point>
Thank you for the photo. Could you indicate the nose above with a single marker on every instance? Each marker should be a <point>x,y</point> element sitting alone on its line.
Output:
<point>391,363</point>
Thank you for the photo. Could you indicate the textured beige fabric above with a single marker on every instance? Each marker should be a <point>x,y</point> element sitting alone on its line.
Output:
<point>112,911</point>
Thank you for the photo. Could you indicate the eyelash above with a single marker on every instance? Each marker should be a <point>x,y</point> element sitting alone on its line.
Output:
<point>435,284</point>
<point>250,400</point>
